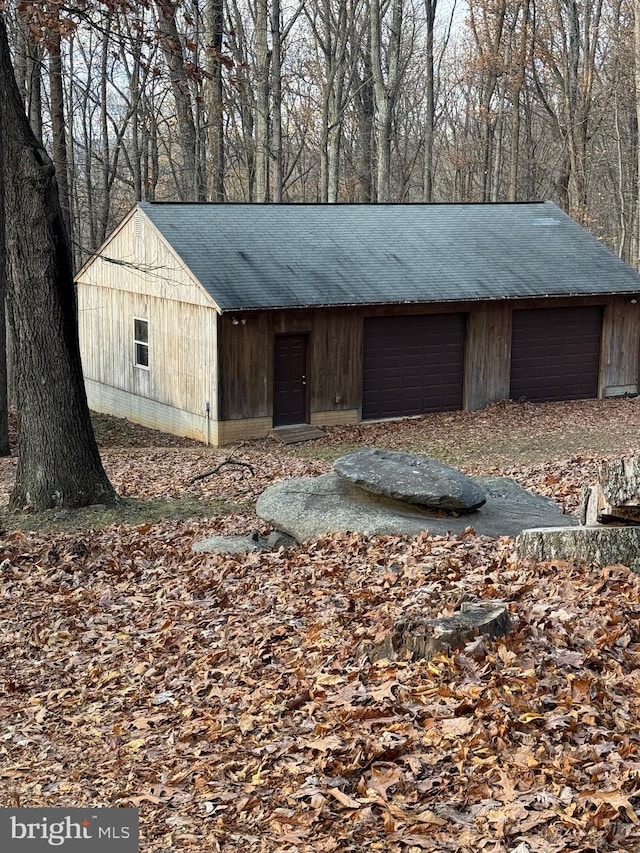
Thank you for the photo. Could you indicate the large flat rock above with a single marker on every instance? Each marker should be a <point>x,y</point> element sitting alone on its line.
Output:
<point>308,508</point>
<point>411,478</point>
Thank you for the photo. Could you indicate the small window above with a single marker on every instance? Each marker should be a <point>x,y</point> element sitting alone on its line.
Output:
<point>141,342</point>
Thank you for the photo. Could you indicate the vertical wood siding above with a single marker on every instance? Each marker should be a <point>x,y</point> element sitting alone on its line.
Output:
<point>246,360</point>
<point>149,284</point>
<point>620,353</point>
<point>487,354</point>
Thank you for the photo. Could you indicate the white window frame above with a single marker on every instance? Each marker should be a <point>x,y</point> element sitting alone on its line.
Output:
<point>138,342</point>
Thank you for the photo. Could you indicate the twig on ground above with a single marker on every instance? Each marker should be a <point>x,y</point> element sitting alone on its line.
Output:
<point>228,461</point>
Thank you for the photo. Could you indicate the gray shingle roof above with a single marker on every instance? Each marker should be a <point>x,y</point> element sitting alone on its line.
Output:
<point>250,256</point>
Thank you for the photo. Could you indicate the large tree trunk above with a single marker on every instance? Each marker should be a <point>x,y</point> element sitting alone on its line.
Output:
<point>636,55</point>
<point>4,390</point>
<point>598,546</point>
<point>59,462</point>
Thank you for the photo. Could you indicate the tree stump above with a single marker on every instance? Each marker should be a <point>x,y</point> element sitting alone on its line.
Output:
<point>423,638</point>
<point>617,496</point>
<point>598,546</point>
<point>620,481</point>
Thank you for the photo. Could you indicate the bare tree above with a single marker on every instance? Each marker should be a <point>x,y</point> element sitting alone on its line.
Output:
<point>192,185</point>
<point>59,463</point>
<point>385,57</point>
<point>636,55</point>
<point>215,98</point>
<point>58,123</point>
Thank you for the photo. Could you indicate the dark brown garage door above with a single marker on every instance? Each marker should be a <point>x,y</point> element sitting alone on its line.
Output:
<point>555,354</point>
<point>412,365</point>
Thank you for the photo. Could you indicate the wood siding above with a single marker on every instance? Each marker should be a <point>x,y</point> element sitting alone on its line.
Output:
<point>148,284</point>
<point>487,355</point>
<point>246,361</point>
<point>335,342</point>
<point>620,352</point>
<point>137,259</point>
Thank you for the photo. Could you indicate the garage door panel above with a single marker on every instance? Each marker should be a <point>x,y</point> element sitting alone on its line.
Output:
<point>555,353</point>
<point>412,365</point>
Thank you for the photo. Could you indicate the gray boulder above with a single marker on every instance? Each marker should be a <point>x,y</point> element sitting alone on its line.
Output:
<point>244,544</point>
<point>311,507</point>
<point>230,544</point>
<point>277,539</point>
<point>411,478</point>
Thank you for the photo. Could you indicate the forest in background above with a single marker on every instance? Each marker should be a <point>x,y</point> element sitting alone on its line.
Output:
<point>336,101</point>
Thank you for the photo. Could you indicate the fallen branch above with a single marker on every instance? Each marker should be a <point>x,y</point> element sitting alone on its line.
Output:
<point>228,461</point>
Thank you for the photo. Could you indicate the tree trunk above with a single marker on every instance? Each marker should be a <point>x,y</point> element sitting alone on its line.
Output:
<point>636,54</point>
<point>516,90</point>
<point>59,463</point>
<point>276,90</point>
<point>430,7</point>
<point>58,124</point>
<point>263,64</point>
<point>4,390</point>
<point>28,72</point>
<point>365,111</point>
<point>385,91</point>
<point>104,198</point>
<point>191,186</point>
<point>215,101</point>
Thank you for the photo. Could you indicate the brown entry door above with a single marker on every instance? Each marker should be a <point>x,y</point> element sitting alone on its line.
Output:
<point>290,380</point>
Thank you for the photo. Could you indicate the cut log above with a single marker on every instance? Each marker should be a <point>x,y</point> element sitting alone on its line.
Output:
<point>618,492</point>
<point>413,637</point>
<point>598,546</point>
<point>595,509</point>
<point>588,510</point>
<point>620,481</point>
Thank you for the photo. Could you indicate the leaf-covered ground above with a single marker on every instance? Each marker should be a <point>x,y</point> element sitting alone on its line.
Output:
<point>228,697</point>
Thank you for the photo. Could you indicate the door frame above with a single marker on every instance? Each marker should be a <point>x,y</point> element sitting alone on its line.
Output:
<point>304,336</point>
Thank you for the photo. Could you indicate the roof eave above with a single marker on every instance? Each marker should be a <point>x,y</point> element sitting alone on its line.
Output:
<point>497,298</point>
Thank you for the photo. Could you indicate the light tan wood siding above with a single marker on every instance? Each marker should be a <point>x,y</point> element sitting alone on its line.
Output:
<point>149,284</point>
<point>137,259</point>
